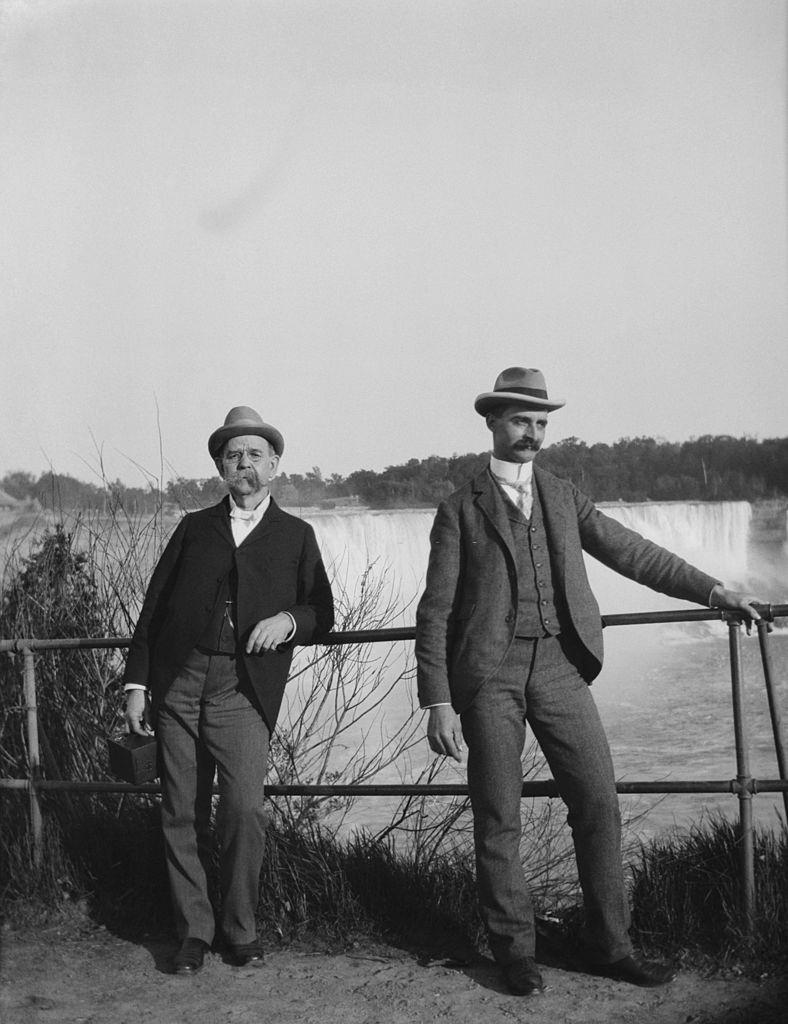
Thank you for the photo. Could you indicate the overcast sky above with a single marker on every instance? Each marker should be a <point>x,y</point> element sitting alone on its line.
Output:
<point>353,215</point>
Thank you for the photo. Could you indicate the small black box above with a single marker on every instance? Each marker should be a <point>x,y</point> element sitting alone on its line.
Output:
<point>133,758</point>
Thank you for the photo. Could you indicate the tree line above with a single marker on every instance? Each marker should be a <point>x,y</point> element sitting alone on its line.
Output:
<point>709,468</point>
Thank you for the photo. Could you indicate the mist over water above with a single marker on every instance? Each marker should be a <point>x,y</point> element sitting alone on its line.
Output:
<point>664,692</point>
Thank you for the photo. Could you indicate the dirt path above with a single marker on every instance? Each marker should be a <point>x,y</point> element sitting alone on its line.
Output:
<point>89,976</point>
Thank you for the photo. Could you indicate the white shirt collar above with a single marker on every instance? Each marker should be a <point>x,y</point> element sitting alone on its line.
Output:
<point>512,472</point>
<point>253,515</point>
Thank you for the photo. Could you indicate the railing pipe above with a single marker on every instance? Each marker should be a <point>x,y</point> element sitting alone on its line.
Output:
<point>774,710</point>
<point>359,636</point>
<point>540,787</point>
<point>746,838</point>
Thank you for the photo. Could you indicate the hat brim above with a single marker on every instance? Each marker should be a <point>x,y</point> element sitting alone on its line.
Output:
<point>241,429</point>
<point>490,399</point>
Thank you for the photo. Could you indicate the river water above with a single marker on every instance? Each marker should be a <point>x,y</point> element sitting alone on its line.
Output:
<point>664,692</point>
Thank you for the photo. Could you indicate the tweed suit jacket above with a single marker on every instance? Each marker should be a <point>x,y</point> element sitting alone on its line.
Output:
<point>466,618</point>
<point>279,568</point>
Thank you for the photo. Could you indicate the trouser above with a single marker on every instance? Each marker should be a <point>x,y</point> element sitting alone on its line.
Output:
<point>539,684</point>
<point>209,724</point>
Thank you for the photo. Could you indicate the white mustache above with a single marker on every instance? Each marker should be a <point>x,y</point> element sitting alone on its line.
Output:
<point>244,474</point>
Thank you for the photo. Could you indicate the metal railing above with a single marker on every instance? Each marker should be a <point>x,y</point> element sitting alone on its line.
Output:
<point>744,786</point>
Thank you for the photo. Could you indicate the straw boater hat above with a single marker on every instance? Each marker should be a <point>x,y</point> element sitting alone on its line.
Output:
<point>516,385</point>
<point>242,420</point>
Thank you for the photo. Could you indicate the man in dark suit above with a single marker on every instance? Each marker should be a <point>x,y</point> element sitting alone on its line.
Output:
<point>508,632</point>
<point>238,585</point>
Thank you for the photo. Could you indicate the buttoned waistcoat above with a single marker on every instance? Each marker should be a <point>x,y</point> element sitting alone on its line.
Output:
<point>278,567</point>
<point>465,620</point>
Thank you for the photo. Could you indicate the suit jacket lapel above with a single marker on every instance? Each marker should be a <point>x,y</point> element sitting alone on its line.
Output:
<point>491,503</point>
<point>269,522</point>
<point>220,520</point>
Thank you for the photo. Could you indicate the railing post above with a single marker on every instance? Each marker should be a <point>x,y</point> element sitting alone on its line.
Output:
<point>774,708</point>
<point>744,780</point>
<point>33,754</point>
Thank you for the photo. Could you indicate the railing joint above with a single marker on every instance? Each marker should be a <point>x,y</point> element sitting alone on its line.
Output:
<point>744,786</point>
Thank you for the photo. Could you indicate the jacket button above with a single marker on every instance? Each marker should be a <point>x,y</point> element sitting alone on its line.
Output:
<point>509,617</point>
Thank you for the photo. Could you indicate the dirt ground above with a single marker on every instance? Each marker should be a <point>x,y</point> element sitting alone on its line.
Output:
<point>79,973</point>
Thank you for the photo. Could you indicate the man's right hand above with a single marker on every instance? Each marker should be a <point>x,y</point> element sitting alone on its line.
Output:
<point>443,731</point>
<point>137,719</point>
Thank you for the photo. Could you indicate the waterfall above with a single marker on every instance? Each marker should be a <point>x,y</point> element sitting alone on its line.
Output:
<point>714,536</point>
<point>393,545</point>
<point>711,535</point>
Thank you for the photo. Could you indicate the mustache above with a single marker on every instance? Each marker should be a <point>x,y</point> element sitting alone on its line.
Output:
<point>527,445</point>
<point>249,475</point>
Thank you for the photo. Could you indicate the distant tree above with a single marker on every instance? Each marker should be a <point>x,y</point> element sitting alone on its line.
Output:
<point>713,468</point>
<point>335,485</point>
<point>285,492</point>
<point>19,485</point>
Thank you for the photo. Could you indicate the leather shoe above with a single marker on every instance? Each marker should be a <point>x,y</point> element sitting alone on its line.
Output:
<point>189,958</point>
<point>645,973</point>
<point>523,977</point>
<point>248,955</point>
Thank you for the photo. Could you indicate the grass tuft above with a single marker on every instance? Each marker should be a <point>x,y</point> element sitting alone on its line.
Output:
<point>686,895</point>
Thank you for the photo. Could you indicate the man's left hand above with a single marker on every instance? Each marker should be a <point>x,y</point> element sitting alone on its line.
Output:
<point>269,634</point>
<point>734,601</point>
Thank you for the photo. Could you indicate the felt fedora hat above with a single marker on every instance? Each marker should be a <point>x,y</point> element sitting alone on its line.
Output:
<point>242,420</point>
<point>517,385</point>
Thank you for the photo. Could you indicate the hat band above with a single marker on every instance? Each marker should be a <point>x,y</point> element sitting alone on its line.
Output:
<point>533,392</point>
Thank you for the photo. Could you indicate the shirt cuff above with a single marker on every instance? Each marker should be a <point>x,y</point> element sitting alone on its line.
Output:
<point>291,634</point>
<point>440,704</point>
<point>134,686</point>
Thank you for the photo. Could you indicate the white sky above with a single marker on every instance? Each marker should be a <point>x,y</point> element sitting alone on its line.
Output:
<point>353,215</point>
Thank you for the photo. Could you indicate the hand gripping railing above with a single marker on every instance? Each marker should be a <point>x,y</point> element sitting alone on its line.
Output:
<point>744,786</point>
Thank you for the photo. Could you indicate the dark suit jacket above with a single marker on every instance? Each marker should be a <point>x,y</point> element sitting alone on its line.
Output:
<point>466,618</point>
<point>279,569</point>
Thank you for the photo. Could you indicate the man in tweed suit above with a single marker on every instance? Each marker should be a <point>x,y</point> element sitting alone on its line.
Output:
<point>238,585</point>
<point>508,632</point>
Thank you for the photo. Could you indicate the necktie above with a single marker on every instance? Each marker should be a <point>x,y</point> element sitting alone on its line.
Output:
<point>242,522</point>
<point>524,493</point>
